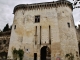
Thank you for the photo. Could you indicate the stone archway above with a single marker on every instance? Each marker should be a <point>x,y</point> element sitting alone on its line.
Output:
<point>45,53</point>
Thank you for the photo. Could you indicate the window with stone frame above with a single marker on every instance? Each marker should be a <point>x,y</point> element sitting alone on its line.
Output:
<point>37,18</point>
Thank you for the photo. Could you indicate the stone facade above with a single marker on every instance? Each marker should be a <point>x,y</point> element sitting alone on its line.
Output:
<point>4,43</point>
<point>44,31</point>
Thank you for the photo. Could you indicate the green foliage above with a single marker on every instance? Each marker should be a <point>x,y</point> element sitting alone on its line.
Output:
<point>18,53</point>
<point>70,56</point>
<point>15,53</point>
<point>6,28</point>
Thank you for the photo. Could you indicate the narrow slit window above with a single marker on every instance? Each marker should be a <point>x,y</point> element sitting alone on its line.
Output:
<point>36,30</point>
<point>40,35</point>
<point>49,34</point>
<point>37,18</point>
<point>68,25</point>
<point>35,35</point>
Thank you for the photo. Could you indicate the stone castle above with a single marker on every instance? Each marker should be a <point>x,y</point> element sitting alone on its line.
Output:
<point>45,31</point>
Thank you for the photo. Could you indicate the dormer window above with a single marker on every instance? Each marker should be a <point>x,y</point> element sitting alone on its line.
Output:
<point>37,18</point>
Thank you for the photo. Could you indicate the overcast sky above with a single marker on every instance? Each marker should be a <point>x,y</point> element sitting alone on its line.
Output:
<point>7,6</point>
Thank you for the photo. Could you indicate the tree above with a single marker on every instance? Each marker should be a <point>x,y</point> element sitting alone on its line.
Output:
<point>10,27</point>
<point>6,28</point>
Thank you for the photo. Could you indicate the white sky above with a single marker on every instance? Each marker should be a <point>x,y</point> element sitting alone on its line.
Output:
<point>7,6</point>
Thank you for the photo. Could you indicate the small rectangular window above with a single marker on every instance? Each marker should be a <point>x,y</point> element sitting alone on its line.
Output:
<point>37,18</point>
<point>68,25</point>
<point>14,26</point>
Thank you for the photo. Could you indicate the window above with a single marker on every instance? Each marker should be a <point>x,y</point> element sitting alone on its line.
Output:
<point>49,34</point>
<point>40,35</point>
<point>37,18</point>
<point>68,25</point>
<point>35,34</point>
<point>27,49</point>
<point>14,26</point>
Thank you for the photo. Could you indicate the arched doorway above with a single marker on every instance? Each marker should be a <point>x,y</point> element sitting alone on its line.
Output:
<point>45,53</point>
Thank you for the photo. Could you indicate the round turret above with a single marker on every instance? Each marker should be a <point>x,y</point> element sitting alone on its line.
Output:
<point>67,28</point>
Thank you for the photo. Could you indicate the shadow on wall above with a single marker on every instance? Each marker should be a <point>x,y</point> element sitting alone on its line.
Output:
<point>3,55</point>
<point>79,48</point>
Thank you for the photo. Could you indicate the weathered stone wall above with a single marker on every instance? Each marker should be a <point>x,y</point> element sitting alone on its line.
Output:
<point>67,32</point>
